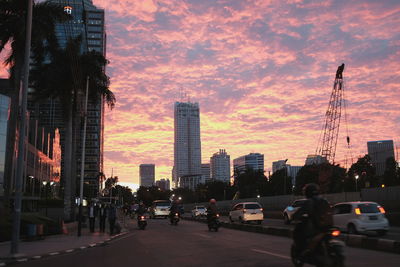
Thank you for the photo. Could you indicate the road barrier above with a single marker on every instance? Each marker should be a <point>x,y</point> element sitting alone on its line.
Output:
<point>358,241</point>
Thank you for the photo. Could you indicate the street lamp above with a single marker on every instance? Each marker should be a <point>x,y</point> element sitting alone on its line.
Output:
<point>32,184</point>
<point>356,180</point>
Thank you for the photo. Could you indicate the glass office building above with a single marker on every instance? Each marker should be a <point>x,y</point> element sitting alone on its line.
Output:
<point>4,113</point>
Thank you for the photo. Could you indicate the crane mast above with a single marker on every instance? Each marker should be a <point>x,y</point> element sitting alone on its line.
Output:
<point>332,119</point>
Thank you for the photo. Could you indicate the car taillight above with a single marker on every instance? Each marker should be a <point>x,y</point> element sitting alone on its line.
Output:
<point>176,214</point>
<point>142,217</point>
<point>357,211</point>
<point>244,210</point>
<point>335,233</point>
<point>261,209</point>
<point>382,210</point>
<point>217,215</point>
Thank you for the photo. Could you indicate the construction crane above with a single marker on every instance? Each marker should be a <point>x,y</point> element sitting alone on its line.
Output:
<point>327,146</point>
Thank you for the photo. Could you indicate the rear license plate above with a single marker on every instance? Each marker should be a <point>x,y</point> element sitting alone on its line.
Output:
<point>373,218</point>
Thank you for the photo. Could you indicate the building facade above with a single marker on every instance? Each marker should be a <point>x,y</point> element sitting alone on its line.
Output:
<point>205,172</point>
<point>380,151</point>
<point>221,166</point>
<point>163,184</point>
<point>253,161</point>
<point>147,174</point>
<point>187,145</point>
<point>4,111</point>
<point>315,159</point>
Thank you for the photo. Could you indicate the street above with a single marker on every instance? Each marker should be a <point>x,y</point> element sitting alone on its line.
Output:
<point>190,244</point>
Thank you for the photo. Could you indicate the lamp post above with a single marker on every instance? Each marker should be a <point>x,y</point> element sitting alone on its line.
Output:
<point>356,180</point>
<point>32,184</point>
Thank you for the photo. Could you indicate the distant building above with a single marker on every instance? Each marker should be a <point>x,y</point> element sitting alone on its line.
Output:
<point>380,151</point>
<point>163,184</point>
<point>147,174</point>
<point>254,161</point>
<point>221,166</point>
<point>187,145</point>
<point>293,171</point>
<point>205,172</point>
<point>315,159</point>
<point>278,165</point>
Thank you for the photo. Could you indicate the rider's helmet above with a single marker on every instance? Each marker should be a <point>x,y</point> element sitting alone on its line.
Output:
<point>310,190</point>
<point>213,201</point>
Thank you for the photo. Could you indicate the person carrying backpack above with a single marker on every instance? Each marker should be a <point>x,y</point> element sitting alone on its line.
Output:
<point>315,216</point>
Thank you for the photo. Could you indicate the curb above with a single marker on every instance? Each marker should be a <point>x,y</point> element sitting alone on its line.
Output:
<point>357,241</point>
<point>12,261</point>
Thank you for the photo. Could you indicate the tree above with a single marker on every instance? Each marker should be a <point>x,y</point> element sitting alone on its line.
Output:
<point>64,78</point>
<point>329,177</point>
<point>279,180</point>
<point>250,182</point>
<point>365,172</point>
<point>13,32</point>
<point>390,176</point>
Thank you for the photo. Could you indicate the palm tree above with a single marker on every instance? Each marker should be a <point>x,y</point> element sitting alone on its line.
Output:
<point>12,31</point>
<point>64,78</point>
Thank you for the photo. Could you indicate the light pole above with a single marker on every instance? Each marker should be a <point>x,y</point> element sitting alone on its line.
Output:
<point>356,180</point>
<point>32,184</point>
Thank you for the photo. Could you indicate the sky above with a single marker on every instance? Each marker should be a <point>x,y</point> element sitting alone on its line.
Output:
<point>262,72</point>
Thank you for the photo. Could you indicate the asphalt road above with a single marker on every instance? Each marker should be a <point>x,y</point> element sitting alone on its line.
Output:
<point>190,244</point>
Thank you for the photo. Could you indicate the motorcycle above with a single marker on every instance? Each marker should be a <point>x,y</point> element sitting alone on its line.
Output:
<point>175,218</point>
<point>142,222</point>
<point>322,251</point>
<point>213,223</point>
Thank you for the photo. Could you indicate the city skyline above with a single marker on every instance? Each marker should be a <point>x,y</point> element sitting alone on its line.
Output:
<point>261,71</point>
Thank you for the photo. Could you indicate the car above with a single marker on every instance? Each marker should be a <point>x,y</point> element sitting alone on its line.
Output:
<point>291,209</point>
<point>360,217</point>
<point>160,208</point>
<point>199,211</point>
<point>247,212</point>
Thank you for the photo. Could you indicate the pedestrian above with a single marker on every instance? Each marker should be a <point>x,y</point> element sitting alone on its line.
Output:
<point>103,216</point>
<point>92,216</point>
<point>112,215</point>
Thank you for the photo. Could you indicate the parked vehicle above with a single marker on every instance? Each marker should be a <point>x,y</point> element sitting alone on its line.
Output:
<point>323,251</point>
<point>291,209</point>
<point>160,208</point>
<point>199,211</point>
<point>214,223</point>
<point>175,219</point>
<point>360,217</point>
<point>246,212</point>
<point>142,222</point>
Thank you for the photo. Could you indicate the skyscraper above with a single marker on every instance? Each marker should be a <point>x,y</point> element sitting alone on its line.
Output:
<point>254,161</point>
<point>221,166</point>
<point>380,151</point>
<point>205,172</point>
<point>147,174</point>
<point>163,184</point>
<point>187,145</point>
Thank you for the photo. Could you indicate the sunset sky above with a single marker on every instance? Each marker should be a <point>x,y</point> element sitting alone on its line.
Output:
<point>262,72</point>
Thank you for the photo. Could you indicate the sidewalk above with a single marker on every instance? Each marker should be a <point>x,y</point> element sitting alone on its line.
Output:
<point>59,244</point>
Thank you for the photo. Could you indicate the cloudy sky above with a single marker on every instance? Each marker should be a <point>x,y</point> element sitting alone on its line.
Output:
<point>261,70</point>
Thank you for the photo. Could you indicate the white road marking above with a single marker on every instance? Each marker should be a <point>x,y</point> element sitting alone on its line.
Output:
<point>69,250</point>
<point>272,254</point>
<point>36,257</point>
<point>126,236</point>
<point>202,235</point>
<point>22,260</point>
<point>92,245</point>
<point>82,247</point>
<point>54,253</point>
<point>2,264</point>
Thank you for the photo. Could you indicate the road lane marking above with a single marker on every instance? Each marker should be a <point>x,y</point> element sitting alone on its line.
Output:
<point>205,236</point>
<point>118,239</point>
<point>69,250</point>
<point>22,260</point>
<point>36,257</point>
<point>2,264</point>
<point>272,254</point>
<point>82,247</point>
<point>54,253</point>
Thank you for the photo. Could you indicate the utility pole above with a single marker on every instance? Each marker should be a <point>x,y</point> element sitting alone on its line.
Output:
<point>23,95</point>
<point>83,158</point>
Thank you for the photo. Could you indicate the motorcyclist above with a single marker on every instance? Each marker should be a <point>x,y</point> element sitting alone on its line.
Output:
<point>141,210</point>
<point>174,209</point>
<point>212,210</point>
<point>313,218</point>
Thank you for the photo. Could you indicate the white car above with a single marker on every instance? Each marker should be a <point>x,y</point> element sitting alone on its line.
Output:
<point>291,209</point>
<point>247,211</point>
<point>199,211</point>
<point>360,217</point>
<point>160,208</point>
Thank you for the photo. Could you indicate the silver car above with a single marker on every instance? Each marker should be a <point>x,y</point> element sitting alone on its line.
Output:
<point>291,209</point>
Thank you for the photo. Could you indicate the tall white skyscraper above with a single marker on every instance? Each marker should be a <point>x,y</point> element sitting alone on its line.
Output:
<point>221,166</point>
<point>147,174</point>
<point>187,145</point>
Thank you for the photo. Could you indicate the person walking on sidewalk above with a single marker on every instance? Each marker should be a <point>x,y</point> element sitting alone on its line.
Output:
<point>112,216</point>
<point>92,216</point>
<point>103,216</point>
